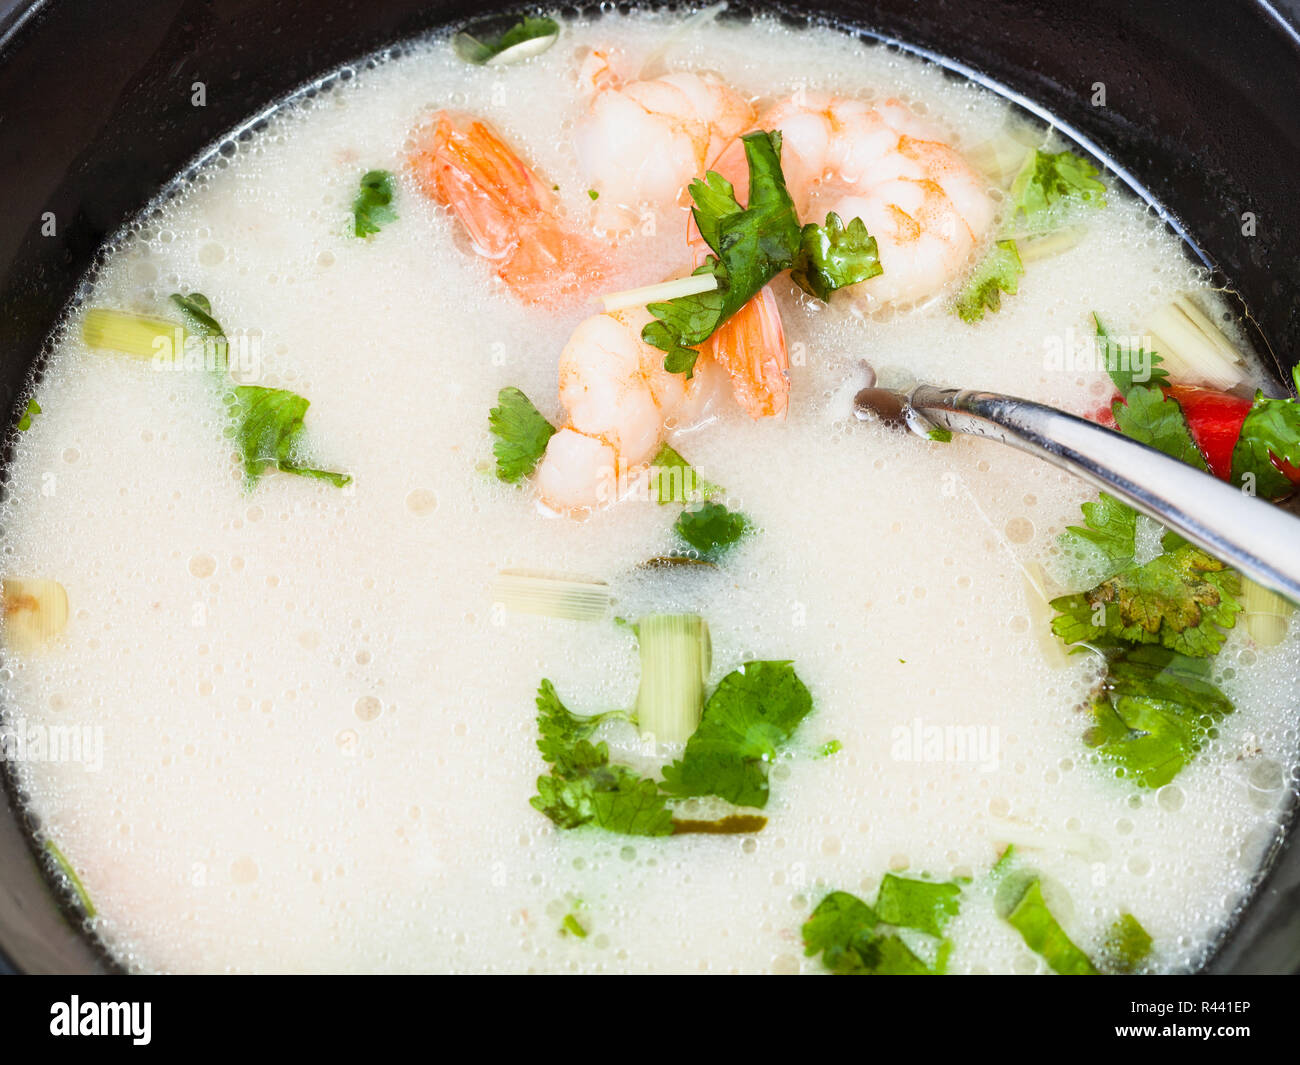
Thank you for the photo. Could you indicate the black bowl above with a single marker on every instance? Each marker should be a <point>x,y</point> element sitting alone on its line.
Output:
<point>1200,118</point>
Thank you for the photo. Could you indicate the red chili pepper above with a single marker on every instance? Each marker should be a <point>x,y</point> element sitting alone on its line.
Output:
<point>1214,419</point>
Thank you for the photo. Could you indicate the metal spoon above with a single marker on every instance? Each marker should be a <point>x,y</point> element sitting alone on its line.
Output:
<point>1255,537</point>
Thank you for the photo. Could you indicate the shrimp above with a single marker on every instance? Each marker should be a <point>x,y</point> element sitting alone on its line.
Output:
<point>926,206</point>
<point>509,213</point>
<point>620,402</point>
<point>642,142</point>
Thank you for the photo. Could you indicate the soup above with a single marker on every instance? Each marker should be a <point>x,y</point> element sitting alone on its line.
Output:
<point>306,707</point>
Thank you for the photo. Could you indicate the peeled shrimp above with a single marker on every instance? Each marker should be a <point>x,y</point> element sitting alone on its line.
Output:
<point>926,206</point>
<point>509,213</point>
<point>643,142</point>
<point>620,402</point>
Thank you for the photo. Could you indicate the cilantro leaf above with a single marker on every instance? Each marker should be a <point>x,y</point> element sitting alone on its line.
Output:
<point>711,528</point>
<point>674,480</point>
<point>1270,433</point>
<point>834,255</point>
<point>563,736</point>
<point>750,245</point>
<point>479,50</point>
<point>747,719</point>
<point>268,428</point>
<point>31,410</point>
<point>853,938</point>
<point>921,904</point>
<point>1050,183</point>
<point>1126,366</point>
<point>1154,713</point>
<point>521,435</point>
<point>267,423</point>
<point>1044,935</point>
<point>1151,417</point>
<point>998,272</point>
<point>1182,599</point>
<point>1110,535</point>
<point>197,312</point>
<point>372,209</point>
<point>1127,945</point>
<point>584,787</point>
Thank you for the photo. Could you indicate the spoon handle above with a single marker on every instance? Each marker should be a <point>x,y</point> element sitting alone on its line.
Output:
<point>1253,536</point>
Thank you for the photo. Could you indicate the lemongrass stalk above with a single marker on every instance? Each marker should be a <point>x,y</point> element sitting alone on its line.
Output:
<point>676,656</point>
<point>523,50</point>
<point>660,293</point>
<point>131,334</point>
<point>1045,247</point>
<point>1040,616</point>
<point>1000,157</point>
<point>1267,613</point>
<point>65,867</point>
<point>1193,348</point>
<point>35,612</point>
<point>548,595</point>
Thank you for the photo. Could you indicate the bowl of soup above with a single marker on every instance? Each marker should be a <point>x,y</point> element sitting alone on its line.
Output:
<point>437,535</point>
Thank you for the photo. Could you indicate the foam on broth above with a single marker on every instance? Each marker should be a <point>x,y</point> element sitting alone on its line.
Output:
<point>319,738</point>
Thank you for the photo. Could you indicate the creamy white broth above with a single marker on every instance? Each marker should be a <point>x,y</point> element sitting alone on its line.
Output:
<point>318,732</point>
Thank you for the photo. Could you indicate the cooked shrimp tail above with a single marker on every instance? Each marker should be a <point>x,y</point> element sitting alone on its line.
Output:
<point>508,211</point>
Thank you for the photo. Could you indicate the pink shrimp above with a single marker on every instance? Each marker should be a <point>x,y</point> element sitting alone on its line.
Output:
<point>620,402</point>
<point>508,211</point>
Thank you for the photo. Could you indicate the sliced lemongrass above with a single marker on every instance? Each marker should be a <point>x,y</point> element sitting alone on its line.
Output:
<point>660,293</point>
<point>35,612</point>
<point>523,50</point>
<point>65,867</point>
<point>1267,613</point>
<point>1193,348</point>
<point>654,65</point>
<point>676,656</point>
<point>1035,248</point>
<point>553,596</point>
<point>131,334</point>
<point>1041,615</point>
<point>1000,157</point>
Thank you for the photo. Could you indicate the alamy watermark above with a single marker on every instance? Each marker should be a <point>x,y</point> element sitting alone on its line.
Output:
<point>919,742</point>
<point>21,741</point>
<point>1086,353</point>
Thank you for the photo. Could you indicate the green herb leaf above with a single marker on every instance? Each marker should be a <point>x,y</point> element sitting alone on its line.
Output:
<point>921,904</point>
<point>1148,415</point>
<point>478,50</point>
<point>751,246</point>
<point>372,209</point>
<point>268,425</point>
<point>1127,367</point>
<point>1182,599</point>
<point>1109,539</point>
<point>1049,184</point>
<point>584,788</point>
<point>1127,946</point>
<point>197,312</point>
<point>1270,433</point>
<point>834,255</point>
<point>676,480</point>
<point>853,939</point>
<point>747,720</point>
<point>1040,930</point>
<point>998,272</point>
<point>31,410</point>
<point>711,528</point>
<point>1154,713</point>
<point>521,435</point>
